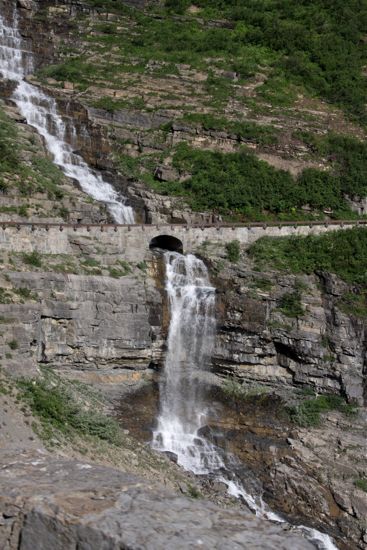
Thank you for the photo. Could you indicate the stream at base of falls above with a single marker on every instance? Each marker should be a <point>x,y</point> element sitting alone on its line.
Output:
<point>40,111</point>
<point>183,413</point>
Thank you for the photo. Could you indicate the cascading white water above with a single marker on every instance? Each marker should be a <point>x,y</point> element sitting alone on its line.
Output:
<point>183,409</point>
<point>40,111</point>
<point>190,344</point>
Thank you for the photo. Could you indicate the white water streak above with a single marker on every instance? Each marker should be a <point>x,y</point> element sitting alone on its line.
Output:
<point>40,111</point>
<point>189,348</point>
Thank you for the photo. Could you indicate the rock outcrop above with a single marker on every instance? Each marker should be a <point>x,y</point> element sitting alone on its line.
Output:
<point>308,473</point>
<point>322,347</point>
<point>50,502</point>
<point>101,327</point>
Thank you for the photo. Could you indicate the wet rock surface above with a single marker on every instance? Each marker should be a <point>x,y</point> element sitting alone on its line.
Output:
<point>308,474</point>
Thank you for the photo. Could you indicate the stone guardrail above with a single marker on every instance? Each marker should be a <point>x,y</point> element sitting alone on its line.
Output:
<point>133,242</point>
<point>203,226</point>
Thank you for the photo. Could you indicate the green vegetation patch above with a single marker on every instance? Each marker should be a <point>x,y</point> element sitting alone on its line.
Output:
<point>312,47</point>
<point>361,483</point>
<point>348,157</point>
<point>303,42</point>
<point>341,252</point>
<point>354,303</point>
<point>121,269</point>
<point>233,251</point>
<point>58,406</point>
<point>262,283</point>
<point>242,187</point>
<point>5,296</point>
<point>25,293</point>
<point>308,413</point>
<point>110,104</point>
<point>8,146</point>
<point>241,392</point>
<point>38,175</point>
<point>243,130</point>
<point>13,344</point>
<point>32,258</point>
<point>290,304</point>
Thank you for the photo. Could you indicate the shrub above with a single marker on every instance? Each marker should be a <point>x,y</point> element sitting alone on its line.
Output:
<point>91,262</point>
<point>290,304</point>
<point>116,273</point>
<point>33,258</point>
<point>308,413</point>
<point>245,130</point>
<point>25,293</point>
<point>341,252</point>
<point>233,251</point>
<point>354,303</point>
<point>240,392</point>
<point>23,211</point>
<point>177,6</point>
<point>5,297</point>
<point>58,408</point>
<point>361,483</point>
<point>8,146</point>
<point>240,185</point>
<point>13,344</point>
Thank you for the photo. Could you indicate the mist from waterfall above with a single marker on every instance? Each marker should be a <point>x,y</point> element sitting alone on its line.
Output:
<point>183,408</point>
<point>40,111</point>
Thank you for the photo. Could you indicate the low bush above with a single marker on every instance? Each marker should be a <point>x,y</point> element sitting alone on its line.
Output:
<point>58,408</point>
<point>342,252</point>
<point>354,303</point>
<point>308,413</point>
<point>33,258</point>
<point>361,483</point>
<point>290,304</point>
<point>233,251</point>
<point>241,186</point>
<point>13,344</point>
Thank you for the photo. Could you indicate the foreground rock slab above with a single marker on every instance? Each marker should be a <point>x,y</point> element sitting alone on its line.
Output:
<point>53,502</point>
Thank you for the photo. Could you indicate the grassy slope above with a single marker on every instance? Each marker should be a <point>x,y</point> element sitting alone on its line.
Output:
<point>301,51</point>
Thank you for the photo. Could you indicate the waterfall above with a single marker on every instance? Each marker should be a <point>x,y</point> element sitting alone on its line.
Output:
<point>183,408</point>
<point>40,111</point>
<point>189,349</point>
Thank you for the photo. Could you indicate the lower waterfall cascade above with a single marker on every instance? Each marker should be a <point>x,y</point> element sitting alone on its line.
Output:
<point>40,111</point>
<point>183,408</point>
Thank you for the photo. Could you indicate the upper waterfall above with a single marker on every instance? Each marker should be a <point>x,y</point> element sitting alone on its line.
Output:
<point>40,111</point>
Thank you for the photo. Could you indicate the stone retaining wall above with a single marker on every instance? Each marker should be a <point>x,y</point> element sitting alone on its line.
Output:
<point>132,242</point>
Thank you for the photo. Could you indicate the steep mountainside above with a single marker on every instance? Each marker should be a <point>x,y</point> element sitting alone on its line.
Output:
<point>201,103</point>
<point>196,112</point>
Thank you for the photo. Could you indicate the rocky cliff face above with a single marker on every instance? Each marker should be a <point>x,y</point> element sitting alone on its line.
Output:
<point>100,329</point>
<point>260,342</point>
<point>308,473</point>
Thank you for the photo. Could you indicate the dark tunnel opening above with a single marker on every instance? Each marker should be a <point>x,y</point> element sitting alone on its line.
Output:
<point>166,242</point>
